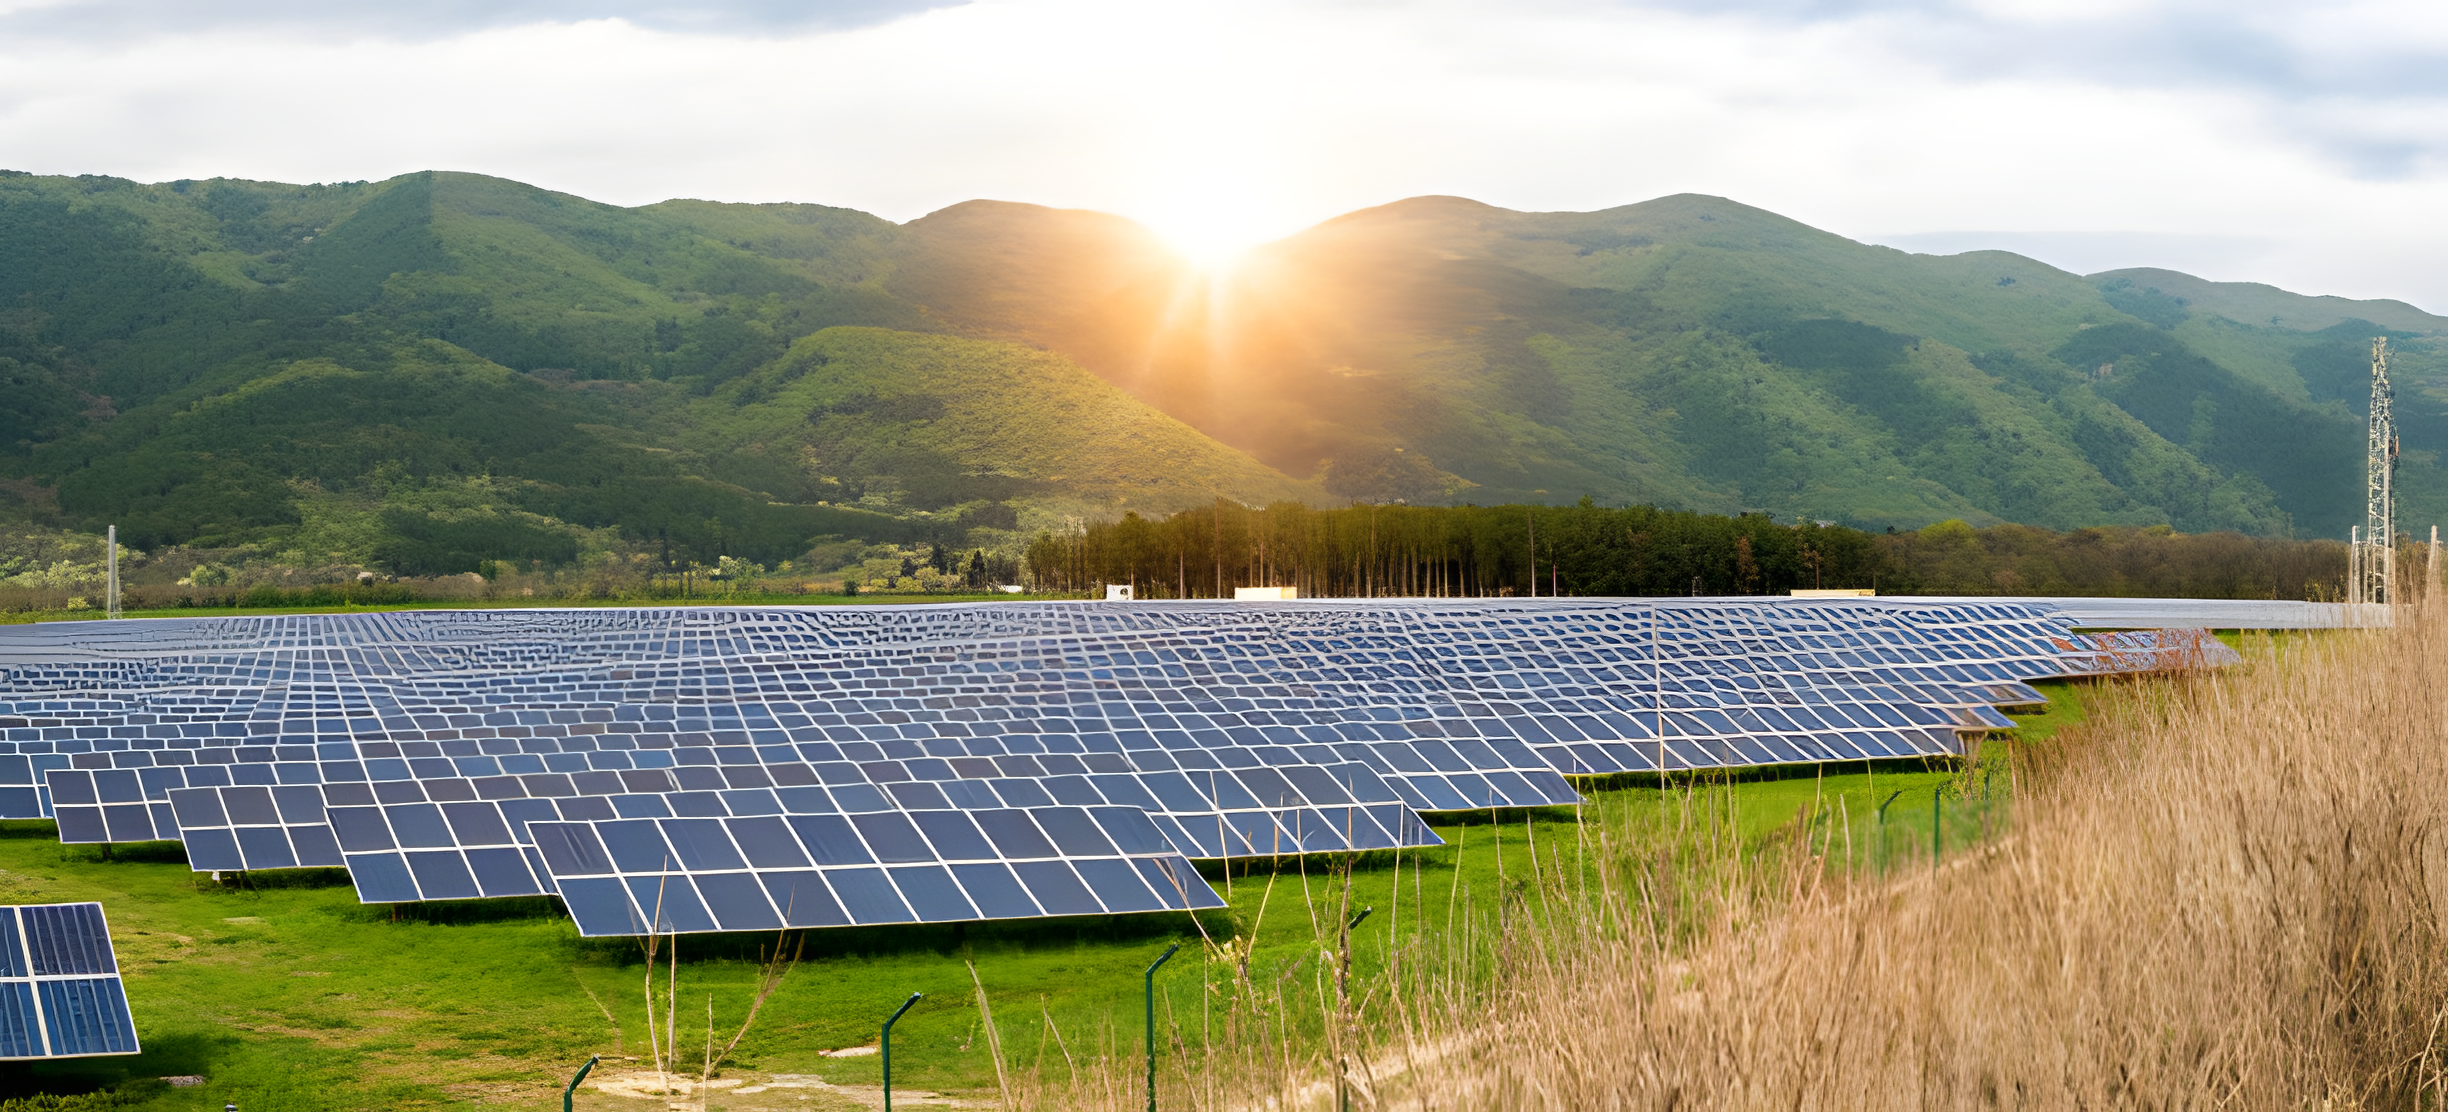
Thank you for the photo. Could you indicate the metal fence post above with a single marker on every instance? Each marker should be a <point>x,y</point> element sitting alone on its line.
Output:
<point>1151,1021</point>
<point>1880,858</point>
<point>1343,1002</point>
<point>1937,812</point>
<point>568,1095</point>
<point>896,1016</point>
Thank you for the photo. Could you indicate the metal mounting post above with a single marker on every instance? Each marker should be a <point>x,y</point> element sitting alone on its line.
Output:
<point>1937,813</point>
<point>568,1095</point>
<point>1343,998</point>
<point>887,1040</point>
<point>1151,1020</point>
<point>1881,854</point>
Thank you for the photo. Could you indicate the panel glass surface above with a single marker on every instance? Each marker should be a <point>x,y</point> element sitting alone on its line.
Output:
<point>60,992</point>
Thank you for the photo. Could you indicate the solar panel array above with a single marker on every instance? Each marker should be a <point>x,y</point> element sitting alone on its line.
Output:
<point>60,993</point>
<point>708,768</point>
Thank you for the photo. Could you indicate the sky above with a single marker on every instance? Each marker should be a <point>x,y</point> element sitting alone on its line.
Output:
<point>2297,144</point>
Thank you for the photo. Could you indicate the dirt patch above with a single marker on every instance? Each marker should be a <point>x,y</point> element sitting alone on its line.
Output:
<point>644,1090</point>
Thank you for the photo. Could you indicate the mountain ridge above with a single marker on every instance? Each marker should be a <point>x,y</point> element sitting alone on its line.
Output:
<point>1687,350</point>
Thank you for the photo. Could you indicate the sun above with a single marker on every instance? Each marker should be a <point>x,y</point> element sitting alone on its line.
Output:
<point>1212,237</point>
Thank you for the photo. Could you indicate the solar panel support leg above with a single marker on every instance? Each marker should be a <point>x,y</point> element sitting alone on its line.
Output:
<point>1151,1020</point>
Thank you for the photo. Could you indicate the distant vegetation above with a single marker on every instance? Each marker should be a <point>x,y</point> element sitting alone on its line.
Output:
<point>1642,550</point>
<point>1952,558</point>
<point>1357,551</point>
<point>1453,551</point>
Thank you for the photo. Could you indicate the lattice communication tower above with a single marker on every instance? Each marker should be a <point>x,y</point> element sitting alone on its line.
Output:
<point>2375,551</point>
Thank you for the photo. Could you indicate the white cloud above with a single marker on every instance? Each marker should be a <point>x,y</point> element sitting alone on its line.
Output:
<point>2194,127</point>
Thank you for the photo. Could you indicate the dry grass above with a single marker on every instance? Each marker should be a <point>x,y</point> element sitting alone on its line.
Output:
<point>2225,891</point>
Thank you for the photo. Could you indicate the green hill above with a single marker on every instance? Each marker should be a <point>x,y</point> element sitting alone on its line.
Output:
<point>427,372</point>
<point>1691,350</point>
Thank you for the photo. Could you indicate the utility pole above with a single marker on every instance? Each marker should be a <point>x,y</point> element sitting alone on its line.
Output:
<point>2375,570</point>
<point>2354,563</point>
<point>112,540</point>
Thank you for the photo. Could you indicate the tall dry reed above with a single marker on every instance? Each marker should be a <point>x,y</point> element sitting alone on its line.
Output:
<point>2225,891</point>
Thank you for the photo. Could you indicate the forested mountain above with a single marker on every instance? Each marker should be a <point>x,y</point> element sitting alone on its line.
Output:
<point>438,369</point>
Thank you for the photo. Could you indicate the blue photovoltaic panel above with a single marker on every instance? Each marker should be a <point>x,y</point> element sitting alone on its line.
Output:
<point>892,868</point>
<point>60,992</point>
<point>864,765</point>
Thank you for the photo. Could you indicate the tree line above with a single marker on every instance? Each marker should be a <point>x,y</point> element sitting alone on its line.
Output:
<point>1524,551</point>
<point>1451,551</point>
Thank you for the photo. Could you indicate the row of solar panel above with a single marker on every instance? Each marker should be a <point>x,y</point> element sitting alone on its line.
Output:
<point>295,826</point>
<point>1041,751</point>
<point>1175,652</point>
<point>475,708</point>
<point>83,799</point>
<point>687,902</point>
<point>399,736</point>
<point>823,690</point>
<point>99,807</point>
<point>1045,755</point>
<point>105,805</point>
<point>78,793</point>
<point>60,993</point>
<point>1171,797</point>
<point>1458,754</point>
<point>808,873</point>
<point>1991,640</point>
<point>840,684</point>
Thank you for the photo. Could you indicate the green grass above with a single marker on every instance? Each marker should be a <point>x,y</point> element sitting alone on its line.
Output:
<point>288,994</point>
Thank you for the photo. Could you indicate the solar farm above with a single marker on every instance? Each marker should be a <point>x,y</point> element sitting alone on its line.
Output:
<point>705,770</point>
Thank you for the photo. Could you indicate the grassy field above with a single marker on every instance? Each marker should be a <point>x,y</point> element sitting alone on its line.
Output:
<point>285,993</point>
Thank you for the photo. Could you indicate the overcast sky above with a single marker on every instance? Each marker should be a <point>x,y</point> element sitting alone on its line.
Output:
<point>2297,144</point>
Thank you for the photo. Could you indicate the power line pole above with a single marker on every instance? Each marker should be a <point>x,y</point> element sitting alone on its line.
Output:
<point>111,605</point>
<point>2376,567</point>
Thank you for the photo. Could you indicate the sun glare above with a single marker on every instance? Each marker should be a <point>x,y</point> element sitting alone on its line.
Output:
<point>1210,239</point>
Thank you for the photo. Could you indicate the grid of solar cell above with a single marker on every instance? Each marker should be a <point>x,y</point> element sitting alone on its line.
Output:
<point>60,992</point>
<point>424,750</point>
<point>880,867</point>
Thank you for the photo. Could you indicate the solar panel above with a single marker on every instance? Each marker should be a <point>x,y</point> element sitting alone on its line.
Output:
<point>60,993</point>
<point>422,751</point>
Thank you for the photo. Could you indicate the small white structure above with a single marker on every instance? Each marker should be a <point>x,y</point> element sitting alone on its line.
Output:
<point>1117,592</point>
<point>1009,588</point>
<point>1264,594</point>
<point>1833,592</point>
